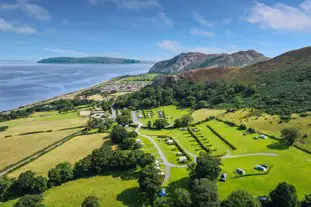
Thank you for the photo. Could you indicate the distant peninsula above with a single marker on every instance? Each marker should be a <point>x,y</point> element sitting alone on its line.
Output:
<point>91,60</point>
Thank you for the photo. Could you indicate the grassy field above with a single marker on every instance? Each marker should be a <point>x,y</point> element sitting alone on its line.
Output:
<point>96,97</point>
<point>72,151</point>
<point>42,121</point>
<point>202,114</point>
<point>111,191</point>
<point>14,149</point>
<point>271,124</point>
<point>143,77</point>
<point>171,112</point>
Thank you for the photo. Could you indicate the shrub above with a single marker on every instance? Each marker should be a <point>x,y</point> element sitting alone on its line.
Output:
<point>251,130</point>
<point>3,128</point>
<point>30,201</point>
<point>242,127</point>
<point>91,201</point>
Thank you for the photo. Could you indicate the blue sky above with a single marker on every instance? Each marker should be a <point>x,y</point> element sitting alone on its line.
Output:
<point>150,29</point>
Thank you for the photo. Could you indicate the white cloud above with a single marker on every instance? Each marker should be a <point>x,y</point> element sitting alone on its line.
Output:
<point>280,17</point>
<point>177,47</point>
<point>33,10</point>
<point>306,6</point>
<point>196,31</point>
<point>135,4</point>
<point>67,52</point>
<point>7,27</point>
<point>165,19</point>
<point>171,46</point>
<point>201,20</point>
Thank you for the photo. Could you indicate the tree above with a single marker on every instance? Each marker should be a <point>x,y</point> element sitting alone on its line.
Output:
<point>240,198</point>
<point>105,105</point>
<point>238,101</point>
<point>149,124</point>
<point>204,193</point>
<point>92,124</point>
<point>5,184</point>
<point>118,133</point>
<point>30,201</point>
<point>91,201</point>
<point>124,119</point>
<point>159,123</point>
<point>162,202</point>
<point>27,183</point>
<point>128,144</point>
<point>104,125</point>
<point>144,159</point>
<point>40,184</point>
<point>285,195</point>
<point>202,104</point>
<point>290,135</point>
<point>242,127</point>
<point>307,201</point>
<point>207,167</point>
<point>63,172</point>
<point>181,198</point>
<point>187,119</point>
<point>83,167</point>
<point>150,181</point>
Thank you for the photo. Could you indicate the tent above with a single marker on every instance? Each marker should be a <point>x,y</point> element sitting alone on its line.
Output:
<point>162,193</point>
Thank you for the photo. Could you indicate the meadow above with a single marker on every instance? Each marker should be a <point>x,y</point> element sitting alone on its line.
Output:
<point>72,151</point>
<point>272,124</point>
<point>14,146</point>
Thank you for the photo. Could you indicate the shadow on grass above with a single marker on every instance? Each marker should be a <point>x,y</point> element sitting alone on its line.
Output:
<point>181,183</point>
<point>278,146</point>
<point>132,197</point>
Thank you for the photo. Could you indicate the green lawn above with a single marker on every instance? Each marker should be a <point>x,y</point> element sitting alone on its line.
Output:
<point>186,140</point>
<point>172,112</point>
<point>111,191</point>
<point>272,125</point>
<point>202,114</point>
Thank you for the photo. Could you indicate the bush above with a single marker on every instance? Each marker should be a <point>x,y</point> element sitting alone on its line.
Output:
<point>91,201</point>
<point>3,128</point>
<point>251,130</point>
<point>30,201</point>
<point>242,127</point>
<point>63,172</point>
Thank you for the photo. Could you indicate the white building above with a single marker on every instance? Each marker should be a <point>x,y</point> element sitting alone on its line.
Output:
<point>183,159</point>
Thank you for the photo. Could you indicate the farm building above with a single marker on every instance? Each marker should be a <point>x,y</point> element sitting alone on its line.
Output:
<point>170,142</point>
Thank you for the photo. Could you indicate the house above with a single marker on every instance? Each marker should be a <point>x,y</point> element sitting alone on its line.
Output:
<point>240,171</point>
<point>262,136</point>
<point>260,168</point>
<point>223,177</point>
<point>183,159</point>
<point>170,142</point>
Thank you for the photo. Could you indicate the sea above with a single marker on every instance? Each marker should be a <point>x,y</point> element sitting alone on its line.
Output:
<point>23,83</point>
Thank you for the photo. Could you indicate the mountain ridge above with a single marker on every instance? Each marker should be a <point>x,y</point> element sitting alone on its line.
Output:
<point>195,60</point>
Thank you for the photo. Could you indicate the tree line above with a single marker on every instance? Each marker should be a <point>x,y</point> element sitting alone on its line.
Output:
<point>210,94</point>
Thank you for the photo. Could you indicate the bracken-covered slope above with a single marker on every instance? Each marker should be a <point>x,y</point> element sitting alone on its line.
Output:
<point>283,82</point>
<point>190,61</point>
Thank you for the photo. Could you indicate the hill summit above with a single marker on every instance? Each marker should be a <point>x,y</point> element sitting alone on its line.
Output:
<point>194,60</point>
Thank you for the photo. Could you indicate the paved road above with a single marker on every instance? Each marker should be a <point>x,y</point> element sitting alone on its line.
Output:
<point>166,163</point>
<point>113,113</point>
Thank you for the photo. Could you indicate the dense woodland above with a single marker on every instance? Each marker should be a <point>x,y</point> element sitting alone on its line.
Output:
<point>217,94</point>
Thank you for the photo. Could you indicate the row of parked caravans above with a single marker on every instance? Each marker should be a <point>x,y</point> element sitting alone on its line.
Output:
<point>240,171</point>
